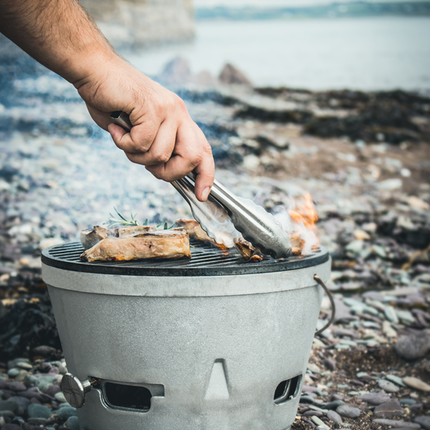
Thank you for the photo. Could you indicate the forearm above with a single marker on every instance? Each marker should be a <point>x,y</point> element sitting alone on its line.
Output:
<point>57,33</point>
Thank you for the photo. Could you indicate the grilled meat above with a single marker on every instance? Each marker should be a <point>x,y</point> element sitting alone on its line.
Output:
<point>248,251</point>
<point>90,237</point>
<point>194,229</point>
<point>173,243</point>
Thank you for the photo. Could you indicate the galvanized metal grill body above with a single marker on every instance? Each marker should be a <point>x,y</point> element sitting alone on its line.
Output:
<point>212,338</point>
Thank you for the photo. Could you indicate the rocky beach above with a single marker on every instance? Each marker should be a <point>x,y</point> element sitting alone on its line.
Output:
<point>363,157</point>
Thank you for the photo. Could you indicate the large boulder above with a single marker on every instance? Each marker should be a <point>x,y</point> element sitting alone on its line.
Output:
<point>128,23</point>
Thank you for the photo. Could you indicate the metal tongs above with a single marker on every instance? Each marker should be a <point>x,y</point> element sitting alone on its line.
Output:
<point>257,226</point>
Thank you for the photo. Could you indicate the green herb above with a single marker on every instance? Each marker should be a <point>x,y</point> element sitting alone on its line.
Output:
<point>120,220</point>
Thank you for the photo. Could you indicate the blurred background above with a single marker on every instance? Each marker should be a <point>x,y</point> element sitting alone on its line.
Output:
<point>315,44</point>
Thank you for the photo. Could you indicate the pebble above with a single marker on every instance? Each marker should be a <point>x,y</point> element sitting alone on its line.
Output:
<point>8,405</point>
<point>335,417</point>
<point>423,421</point>
<point>388,330</point>
<point>405,317</point>
<point>319,423</point>
<point>11,427</point>
<point>396,424</point>
<point>38,411</point>
<point>348,411</point>
<point>330,363</point>
<point>416,383</point>
<point>23,402</point>
<point>396,379</point>
<point>13,373</point>
<point>375,398</point>
<point>413,346</point>
<point>314,368</point>
<point>73,423</point>
<point>333,404</point>
<point>407,401</point>
<point>16,386</point>
<point>389,409</point>
<point>388,386</point>
<point>60,397</point>
<point>391,315</point>
<point>67,412</point>
<point>306,399</point>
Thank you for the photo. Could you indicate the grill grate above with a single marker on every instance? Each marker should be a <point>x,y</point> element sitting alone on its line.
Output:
<point>207,260</point>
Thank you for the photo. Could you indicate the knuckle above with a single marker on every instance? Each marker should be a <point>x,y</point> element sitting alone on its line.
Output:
<point>161,158</point>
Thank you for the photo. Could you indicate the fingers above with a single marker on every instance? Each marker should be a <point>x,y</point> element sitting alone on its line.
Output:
<point>192,152</point>
<point>140,138</point>
<point>161,149</point>
<point>205,172</point>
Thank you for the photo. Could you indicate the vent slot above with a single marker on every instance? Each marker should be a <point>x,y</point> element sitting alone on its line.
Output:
<point>120,396</point>
<point>287,390</point>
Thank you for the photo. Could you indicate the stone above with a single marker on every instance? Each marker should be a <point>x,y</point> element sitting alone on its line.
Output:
<point>388,386</point>
<point>52,390</point>
<point>407,401</point>
<point>17,386</point>
<point>11,427</point>
<point>319,423</point>
<point>405,317</point>
<point>396,379</point>
<point>311,413</point>
<point>334,416</point>
<point>230,75</point>
<point>423,421</point>
<point>348,411</point>
<point>24,365</point>
<point>176,72</point>
<point>413,346</point>
<point>333,404</point>
<point>388,329</point>
<point>389,409</point>
<point>391,315</point>
<point>9,405</point>
<point>375,398</point>
<point>396,424</point>
<point>59,396</point>
<point>22,401</point>
<point>314,368</point>
<point>307,399</point>
<point>390,184</point>
<point>65,413</point>
<point>335,397</point>
<point>39,411</point>
<point>416,383</point>
<point>73,423</point>
<point>12,373</point>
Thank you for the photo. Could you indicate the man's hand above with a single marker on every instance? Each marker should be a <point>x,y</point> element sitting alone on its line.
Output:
<point>163,138</point>
<point>60,35</point>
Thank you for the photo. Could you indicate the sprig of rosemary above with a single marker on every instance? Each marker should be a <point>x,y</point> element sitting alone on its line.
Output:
<point>120,220</point>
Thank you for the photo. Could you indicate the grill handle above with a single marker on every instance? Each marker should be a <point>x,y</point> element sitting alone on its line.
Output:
<point>333,305</point>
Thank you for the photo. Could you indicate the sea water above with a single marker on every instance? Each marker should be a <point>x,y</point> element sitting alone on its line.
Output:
<point>356,53</point>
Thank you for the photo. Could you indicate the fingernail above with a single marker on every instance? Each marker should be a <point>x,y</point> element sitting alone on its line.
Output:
<point>205,193</point>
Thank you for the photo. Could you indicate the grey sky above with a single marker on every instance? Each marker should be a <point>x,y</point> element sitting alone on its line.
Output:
<point>266,3</point>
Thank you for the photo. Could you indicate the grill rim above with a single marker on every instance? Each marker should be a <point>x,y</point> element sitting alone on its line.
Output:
<point>158,267</point>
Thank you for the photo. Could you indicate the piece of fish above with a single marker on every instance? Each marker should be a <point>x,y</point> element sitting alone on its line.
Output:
<point>173,243</point>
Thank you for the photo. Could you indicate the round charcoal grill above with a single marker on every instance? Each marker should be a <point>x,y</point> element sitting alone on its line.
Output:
<point>212,342</point>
